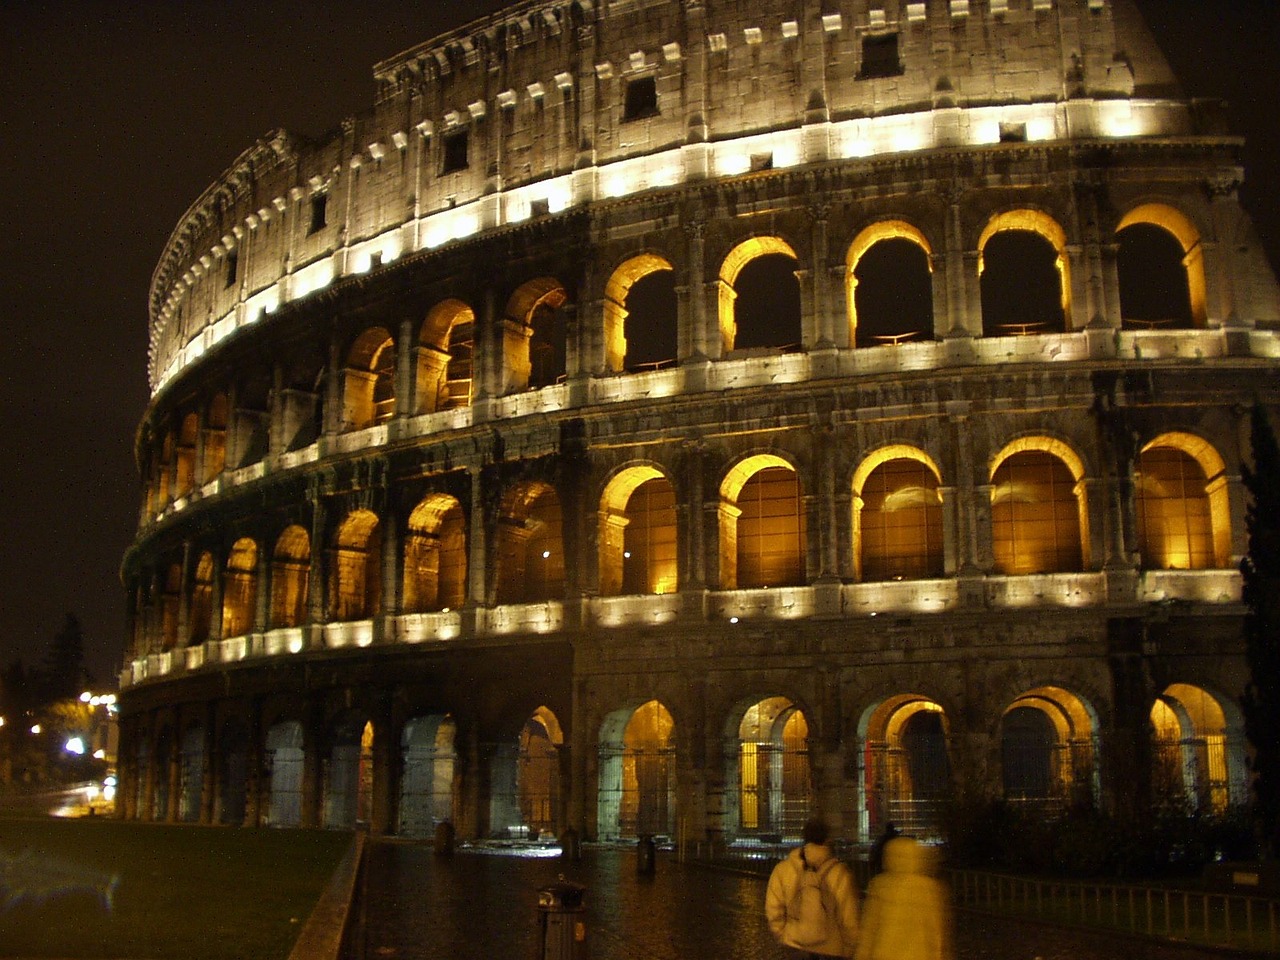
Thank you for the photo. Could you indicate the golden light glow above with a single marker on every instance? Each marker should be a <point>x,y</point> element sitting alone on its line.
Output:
<point>615,311</point>
<point>290,577</point>
<point>897,515</point>
<point>1188,237</point>
<point>864,241</point>
<point>1039,515</point>
<point>1045,226</point>
<point>732,265</point>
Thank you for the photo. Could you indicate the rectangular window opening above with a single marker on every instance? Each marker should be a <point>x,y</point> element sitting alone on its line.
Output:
<point>880,56</point>
<point>319,211</point>
<point>455,152</point>
<point>233,263</point>
<point>642,99</point>
<point>1013,133</point>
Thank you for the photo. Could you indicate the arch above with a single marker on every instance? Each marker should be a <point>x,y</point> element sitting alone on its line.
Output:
<point>200,615</point>
<point>290,577</point>
<point>762,524</point>
<point>1198,750</point>
<point>285,759</point>
<point>435,555</point>
<point>897,515</point>
<point>369,380</point>
<point>731,267</point>
<point>637,789</point>
<point>429,781</point>
<point>1039,510</point>
<point>1048,752</point>
<point>637,533</point>
<point>538,778</point>
<point>215,439</point>
<point>348,782</point>
<point>356,577</point>
<point>774,783</point>
<point>445,367</point>
<point>1175,223</point>
<point>185,465</point>
<point>232,775</point>
<point>1181,504</point>
<point>240,589</point>
<point>1016,282</point>
<point>906,768</point>
<point>190,774</point>
<point>534,338</point>
<point>883,232</point>
<point>530,542</point>
<point>618,346</point>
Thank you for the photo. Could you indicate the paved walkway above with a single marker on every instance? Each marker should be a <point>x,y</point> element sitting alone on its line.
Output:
<point>479,906</point>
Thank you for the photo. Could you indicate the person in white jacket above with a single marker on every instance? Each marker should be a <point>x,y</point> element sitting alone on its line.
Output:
<point>821,921</point>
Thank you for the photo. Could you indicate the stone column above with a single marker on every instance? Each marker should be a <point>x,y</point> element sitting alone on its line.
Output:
<point>692,319</point>
<point>184,596</point>
<point>317,572</point>
<point>209,764</point>
<point>407,400</point>
<point>386,770</point>
<point>312,766</point>
<point>255,766</point>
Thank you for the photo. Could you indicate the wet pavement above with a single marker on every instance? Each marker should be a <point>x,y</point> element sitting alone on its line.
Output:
<point>477,906</point>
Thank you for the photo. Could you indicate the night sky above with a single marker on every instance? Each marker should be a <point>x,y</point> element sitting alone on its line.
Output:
<point>114,117</point>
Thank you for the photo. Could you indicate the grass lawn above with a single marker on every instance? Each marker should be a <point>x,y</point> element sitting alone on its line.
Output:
<point>196,893</point>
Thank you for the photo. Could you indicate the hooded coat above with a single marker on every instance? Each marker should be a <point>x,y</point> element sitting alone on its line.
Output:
<point>907,914</point>
<point>840,895</point>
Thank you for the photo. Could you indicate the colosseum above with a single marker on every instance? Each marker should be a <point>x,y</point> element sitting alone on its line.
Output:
<point>676,417</point>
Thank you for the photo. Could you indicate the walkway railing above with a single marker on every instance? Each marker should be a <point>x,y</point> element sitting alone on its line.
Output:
<point>1213,919</point>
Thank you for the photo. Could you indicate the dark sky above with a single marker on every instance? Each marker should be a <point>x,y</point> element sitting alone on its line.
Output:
<point>114,117</point>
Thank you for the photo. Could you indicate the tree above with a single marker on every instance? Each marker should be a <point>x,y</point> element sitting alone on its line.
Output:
<point>1261,569</point>
<point>64,674</point>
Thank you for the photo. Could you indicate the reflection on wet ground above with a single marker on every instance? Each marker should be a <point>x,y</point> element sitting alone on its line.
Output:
<point>479,906</point>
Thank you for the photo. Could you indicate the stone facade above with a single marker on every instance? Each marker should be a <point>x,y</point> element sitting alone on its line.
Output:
<point>682,417</point>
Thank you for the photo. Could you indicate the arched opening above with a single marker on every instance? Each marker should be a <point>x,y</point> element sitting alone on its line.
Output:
<point>435,556</point>
<point>1024,275</point>
<point>775,789</point>
<point>160,796</point>
<point>640,315</point>
<point>215,439</point>
<point>1047,748</point>
<point>369,381</point>
<point>531,546</point>
<point>356,589</point>
<point>637,773</point>
<point>169,602</point>
<point>190,774</point>
<point>427,784</point>
<point>1181,505</point>
<point>889,286</point>
<point>164,472</point>
<point>897,516</point>
<point>762,525</point>
<point>185,468</point>
<point>906,775</point>
<point>445,357</point>
<point>538,777</point>
<point>290,577</point>
<point>348,788</point>
<point>1038,510</point>
<point>200,613</point>
<point>240,589</point>
<point>637,537</point>
<point>1160,263</point>
<point>284,759</point>
<point>1198,751</point>
<point>233,773</point>
<point>760,296</point>
<point>535,335</point>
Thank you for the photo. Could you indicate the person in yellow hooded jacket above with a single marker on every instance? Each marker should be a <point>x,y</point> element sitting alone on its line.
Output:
<point>907,913</point>
<point>833,929</point>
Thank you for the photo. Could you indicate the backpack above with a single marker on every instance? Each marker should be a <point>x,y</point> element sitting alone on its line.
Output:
<point>807,922</point>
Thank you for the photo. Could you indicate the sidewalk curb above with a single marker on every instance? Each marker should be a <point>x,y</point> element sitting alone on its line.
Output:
<point>323,934</point>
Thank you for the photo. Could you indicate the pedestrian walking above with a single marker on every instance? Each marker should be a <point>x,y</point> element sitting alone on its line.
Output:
<point>812,900</point>
<point>875,862</point>
<point>907,914</point>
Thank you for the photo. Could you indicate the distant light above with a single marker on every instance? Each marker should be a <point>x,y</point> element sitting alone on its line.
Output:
<point>99,754</point>
<point>546,554</point>
<point>109,781</point>
<point>1,721</point>
<point>626,554</point>
<point>35,728</point>
<point>75,745</point>
<point>86,697</point>
<point>733,619</point>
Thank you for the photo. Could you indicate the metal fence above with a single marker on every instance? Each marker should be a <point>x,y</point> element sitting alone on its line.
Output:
<point>1233,920</point>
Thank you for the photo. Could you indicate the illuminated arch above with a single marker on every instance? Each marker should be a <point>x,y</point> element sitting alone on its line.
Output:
<point>1039,518</point>
<point>906,768</point>
<point>435,555</point>
<point>637,533</point>
<point>446,347</point>
<point>356,575</point>
<point>240,589</point>
<point>368,380</point>
<point>864,241</point>
<point>615,309</point>
<point>185,466</point>
<point>1182,504</point>
<point>637,771</point>
<point>530,544</point>
<point>200,615</point>
<point>732,265</point>
<point>1198,750</point>
<point>771,769</point>
<point>1050,765</point>
<point>215,439</point>
<point>762,524</point>
<point>290,577</point>
<point>538,780</point>
<point>1175,222</point>
<point>907,542</point>
<point>534,336</point>
<point>1043,225</point>
<point>428,762</point>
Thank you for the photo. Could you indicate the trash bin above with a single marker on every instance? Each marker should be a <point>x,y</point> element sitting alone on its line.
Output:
<point>561,922</point>
<point>646,855</point>
<point>445,837</point>
<point>570,845</point>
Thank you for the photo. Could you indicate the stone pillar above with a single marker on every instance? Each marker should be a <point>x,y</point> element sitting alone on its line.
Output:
<point>255,767</point>
<point>692,318</point>
<point>317,573</point>
<point>386,771</point>
<point>209,764</point>
<point>828,532</point>
<point>184,596</point>
<point>1224,276</point>
<point>1126,756</point>
<point>333,390</point>
<point>580,764</point>
<point>262,592</point>
<point>215,594</point>
<point>821,332</point>
<point>966,558</point>
<point>478,547</point>
<point>407,400</point>
<point>392,577</point>
<point>312,767</point>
